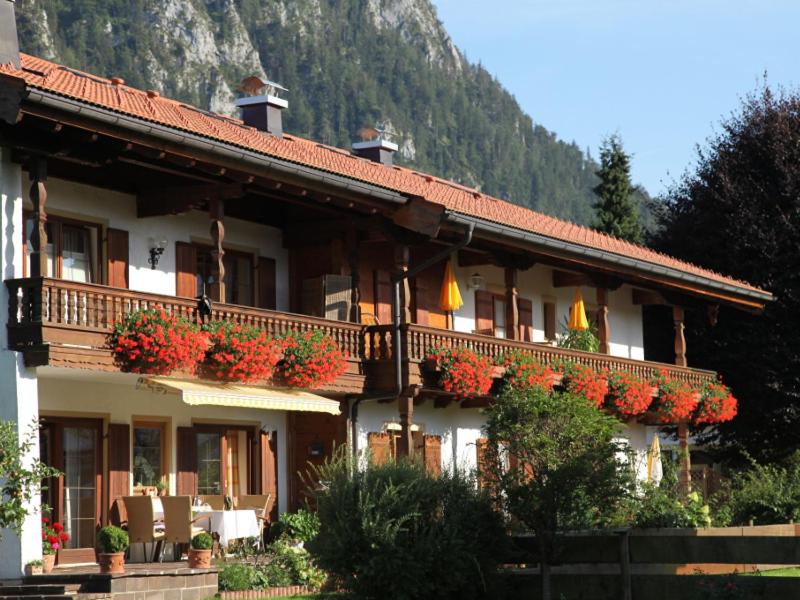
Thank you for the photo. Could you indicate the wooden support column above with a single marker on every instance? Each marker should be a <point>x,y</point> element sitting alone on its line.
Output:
<point>354,262</point>
<point>216,212</point>
<point>405,444</point>
<point>680,338</point>
<point>512,303</point>
<point>38,175</point>
<point>401,261</point>
<point>603,328</point>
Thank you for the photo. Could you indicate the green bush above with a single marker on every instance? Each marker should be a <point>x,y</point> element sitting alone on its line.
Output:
<point>666,505</point>
<point>238,577</point>
<point>765,494</point>
<point>302,526</point>
<point>395,532</point>
<point>111,539</point>
<point>282,564</point>
<point>202,541</point>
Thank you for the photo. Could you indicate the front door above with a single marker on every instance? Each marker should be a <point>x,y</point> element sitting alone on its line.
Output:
<point>73,446</point>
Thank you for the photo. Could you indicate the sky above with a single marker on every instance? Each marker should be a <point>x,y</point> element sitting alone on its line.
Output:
<point>660,73</point>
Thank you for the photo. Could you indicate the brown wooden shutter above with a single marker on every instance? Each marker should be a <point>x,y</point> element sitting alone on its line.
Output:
<point>380,447</point>
<point>117,252</point>
<point>525,319</point>
<point>186,467</point>
<point>119,468</point>
<point>432,454</point>
<point>549,309</point>
<point>267,284</point>
<point>269,470</point>
<point>383,297</point>
<point>484,312</point>
<point>185,270</point>
<point>482,461</point>
<point>420,298</point>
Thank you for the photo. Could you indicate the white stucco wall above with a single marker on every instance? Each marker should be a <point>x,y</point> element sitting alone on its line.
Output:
<point>114,398</point>
<point>118,210</point>
<point>536,285</point>
<point>18,393</point>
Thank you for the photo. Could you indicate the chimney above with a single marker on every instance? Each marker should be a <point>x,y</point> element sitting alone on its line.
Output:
<point>374,146</point>
<point>9,43</point>
<point>262,108</point>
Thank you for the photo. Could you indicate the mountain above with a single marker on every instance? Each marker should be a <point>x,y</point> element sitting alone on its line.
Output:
<point>347,64</point>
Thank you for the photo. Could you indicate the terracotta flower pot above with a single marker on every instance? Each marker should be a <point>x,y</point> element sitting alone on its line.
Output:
<point>199,559</point>
<point>112,563</point>
<point>48,562</point>
<point>33,570</point>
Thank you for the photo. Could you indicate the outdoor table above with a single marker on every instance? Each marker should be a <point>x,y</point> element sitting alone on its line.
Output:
<point>232,524</point>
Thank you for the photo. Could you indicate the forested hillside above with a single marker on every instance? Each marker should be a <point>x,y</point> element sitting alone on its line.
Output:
<point>347,64</point>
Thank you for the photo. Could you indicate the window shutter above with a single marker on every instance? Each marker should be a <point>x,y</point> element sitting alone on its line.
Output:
<point>525,308</point>
<point>484,312</point>
<point>380,447</point>
<point>119,467</point>
<point>186,467</point>
<point>432,454</point>
<point>269,471</point>
<point>383,297</point>
<point>549,320</point>
<point>117,252</point>
<point>185,270</point>
<point>267,285</point>
<point>482,461</point>
<point>420,297</point>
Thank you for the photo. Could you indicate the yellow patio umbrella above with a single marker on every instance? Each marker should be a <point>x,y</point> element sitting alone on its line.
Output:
<point>655,470</point>
<point>450,298</point>
<point>577,316</point>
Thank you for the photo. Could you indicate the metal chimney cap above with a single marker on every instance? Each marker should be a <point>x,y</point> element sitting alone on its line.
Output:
<point>380,143</point>
<point>265,99</point>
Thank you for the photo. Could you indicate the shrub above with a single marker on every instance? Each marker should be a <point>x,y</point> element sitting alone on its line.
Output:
<point>717,404</point>
<point>310,359</point>
<point>629,394</point>
<point>155,342</point>
<point>301,526</point>
<point>280,565</point>
<point>659,508</point>
<point>524,371</point>
<point>238,577</point>
<point>240,353</point>
<point>111,539</point>
<point>767,494</point>
<point>53,536</point>
<point>676,400</point>
<point>393,531</point>
<point>202,541</point>
<point>462,371</point>
<point>584,381</point>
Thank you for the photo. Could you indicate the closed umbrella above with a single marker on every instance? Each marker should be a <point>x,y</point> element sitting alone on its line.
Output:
<point>450,297</point>
<point>655,470</point>
<point>577,316</point>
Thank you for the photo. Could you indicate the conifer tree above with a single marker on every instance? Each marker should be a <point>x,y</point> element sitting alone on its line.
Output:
<point>615,210</point>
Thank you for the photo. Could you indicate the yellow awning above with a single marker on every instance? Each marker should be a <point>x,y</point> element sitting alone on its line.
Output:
<point>241,396</point>
<point>577,315</point>
<point>450,296</point>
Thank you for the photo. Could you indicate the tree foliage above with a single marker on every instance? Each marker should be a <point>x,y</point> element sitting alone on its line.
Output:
<point>616,211</point>
<point>738,212</point>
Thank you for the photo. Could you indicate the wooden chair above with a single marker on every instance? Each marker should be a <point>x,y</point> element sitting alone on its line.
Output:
<point>179,527</point>
<point>215,502</point>
<point>141,523</point>
<point>261,504</point>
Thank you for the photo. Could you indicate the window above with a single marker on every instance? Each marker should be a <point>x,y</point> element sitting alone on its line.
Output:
<point>238,275</point>
<point>499,317</point>
<point>148,454</point>
<point>209,464</point>
<point>72,249</point>
<point>549,309</point>
<point>223,461</point>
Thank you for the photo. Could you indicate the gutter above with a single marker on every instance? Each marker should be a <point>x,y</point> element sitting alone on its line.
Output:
<point>396,331</point>
<point>489,227</point>
<point>228,151</point>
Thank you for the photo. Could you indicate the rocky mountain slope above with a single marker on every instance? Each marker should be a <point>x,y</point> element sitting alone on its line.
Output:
<point>347,64</point>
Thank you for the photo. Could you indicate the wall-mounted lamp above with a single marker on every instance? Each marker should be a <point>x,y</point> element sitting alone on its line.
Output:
<point>475,281</point>
<point>156,250</point>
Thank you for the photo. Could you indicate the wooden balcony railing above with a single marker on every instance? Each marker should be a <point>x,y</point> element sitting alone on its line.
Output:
<point>44,310</point>
<point>418,340</point>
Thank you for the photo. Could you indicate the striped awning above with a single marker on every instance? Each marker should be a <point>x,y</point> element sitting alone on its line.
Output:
<point>241,396</point>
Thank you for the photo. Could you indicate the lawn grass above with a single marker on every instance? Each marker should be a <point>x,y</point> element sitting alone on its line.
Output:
<point>785,572</point>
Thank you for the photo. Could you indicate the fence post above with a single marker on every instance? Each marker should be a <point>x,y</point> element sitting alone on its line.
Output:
<point>625,564</point>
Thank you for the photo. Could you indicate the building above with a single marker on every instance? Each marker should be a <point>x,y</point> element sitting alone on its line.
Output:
<point>115,198</point>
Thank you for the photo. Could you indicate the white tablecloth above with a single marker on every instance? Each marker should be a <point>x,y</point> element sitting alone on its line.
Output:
<point>231,524</point>
<point>158,509</point>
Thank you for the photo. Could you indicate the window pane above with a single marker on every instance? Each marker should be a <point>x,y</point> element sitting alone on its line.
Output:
<point>209,464</point>
<point>499,318</point>
<point>76,254</point>
<point>146,456</point>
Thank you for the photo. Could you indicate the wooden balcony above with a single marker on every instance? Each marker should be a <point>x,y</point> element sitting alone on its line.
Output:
<point>64,323</point>
<point>418,340</point>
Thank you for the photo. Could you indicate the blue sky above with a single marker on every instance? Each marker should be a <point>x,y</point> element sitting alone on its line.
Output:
<point>661,73</point>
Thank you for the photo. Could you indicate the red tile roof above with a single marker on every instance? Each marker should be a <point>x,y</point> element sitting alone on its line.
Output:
<point>45,75</point>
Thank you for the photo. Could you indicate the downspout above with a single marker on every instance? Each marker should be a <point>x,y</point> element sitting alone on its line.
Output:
<point>398,279</point>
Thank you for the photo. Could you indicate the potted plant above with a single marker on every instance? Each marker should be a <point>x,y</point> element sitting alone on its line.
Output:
<point>111,545</point>
<point>200,552</point>
<point>33,567</point>
<point>523,371</point>
<point>53,538</point>
<point>240,353</point>
<point>584,381</point>
<point>161,488</point>
<point>717,404</point>
<point>310,360</point>
<point>461,371</point>
<point>629,394</point>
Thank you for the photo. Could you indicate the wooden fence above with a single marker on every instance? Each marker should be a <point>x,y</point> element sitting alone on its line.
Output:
<point>663,564</point>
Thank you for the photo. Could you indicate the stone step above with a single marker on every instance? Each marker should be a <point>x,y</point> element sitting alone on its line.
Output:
<point>34,597</point>
<point>31,589</point>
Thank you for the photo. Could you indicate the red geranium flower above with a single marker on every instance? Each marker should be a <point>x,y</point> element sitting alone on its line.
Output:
<point>462,371</point>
